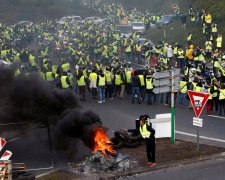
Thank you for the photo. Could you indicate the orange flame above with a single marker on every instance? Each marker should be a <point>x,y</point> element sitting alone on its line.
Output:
<point>102,142</point>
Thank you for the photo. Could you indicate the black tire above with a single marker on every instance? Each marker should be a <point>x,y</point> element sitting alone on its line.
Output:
<point>123,135</point>
<point>136,138</point>
<point>132,145</point>
<point>26,176</point>
<point>117,143</point>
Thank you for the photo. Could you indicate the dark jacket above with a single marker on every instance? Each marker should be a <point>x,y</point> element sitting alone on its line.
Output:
<point>135,81</point>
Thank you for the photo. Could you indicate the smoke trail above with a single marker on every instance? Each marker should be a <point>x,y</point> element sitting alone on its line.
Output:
<point>29,98</point>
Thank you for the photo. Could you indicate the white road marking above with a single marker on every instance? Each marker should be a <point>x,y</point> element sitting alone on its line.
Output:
<point>202,137</point>
<point>216,116</point>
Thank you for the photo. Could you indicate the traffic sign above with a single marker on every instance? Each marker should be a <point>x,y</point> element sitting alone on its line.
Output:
<point>165,74</point>
<point>198,101</point>
<point>197,122</point>
<point>164,89</point>
<point>166,81</point>
<point>2,143</point>
<point>6,156</point>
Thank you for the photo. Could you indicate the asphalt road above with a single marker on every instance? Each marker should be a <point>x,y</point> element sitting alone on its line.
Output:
<point>116,114</point>
<point>210,170</point>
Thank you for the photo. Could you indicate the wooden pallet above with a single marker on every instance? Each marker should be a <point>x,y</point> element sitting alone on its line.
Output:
<point>5,170</point>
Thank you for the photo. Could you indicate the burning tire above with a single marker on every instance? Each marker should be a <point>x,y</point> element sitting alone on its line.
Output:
<point>123,135</point>
<point>117,143</point>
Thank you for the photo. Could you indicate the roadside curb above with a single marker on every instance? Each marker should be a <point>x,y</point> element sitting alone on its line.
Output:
<point>169,165</point>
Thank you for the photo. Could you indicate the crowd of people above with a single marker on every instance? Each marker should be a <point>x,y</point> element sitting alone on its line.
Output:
<point>94,57</point>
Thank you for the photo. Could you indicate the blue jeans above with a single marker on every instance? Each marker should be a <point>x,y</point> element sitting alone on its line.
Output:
<point>136,90</point>
<point>182,101</point>
<point>101,93</point>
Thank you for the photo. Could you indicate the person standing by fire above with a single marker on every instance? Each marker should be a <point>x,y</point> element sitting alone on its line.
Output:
<point>148,133</point>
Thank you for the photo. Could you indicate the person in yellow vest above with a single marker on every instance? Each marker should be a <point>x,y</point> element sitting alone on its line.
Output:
<point>93,81</point>
<point>117,83</point>
<point>219,41</point>
<point>222,99</point>
<point>128,52</point>
<point>101,83</point>
<point>180,59</point>
<point>149,88</point>
<point>32,62</point>
<point>208,19</point>
<point>208,48</point>
<point>109,83</point>
<point>128,74</point>
<point>189,39</point>
<point>214,30</point>
<point>81,85</point>
<point>209,102</point>
<point>215,94</point>
<point>183,92</point>
<point>122,85</point>
<point>142,80</point>
<point>138,52</point>
<point>148,134</point>
<point>65,83</point>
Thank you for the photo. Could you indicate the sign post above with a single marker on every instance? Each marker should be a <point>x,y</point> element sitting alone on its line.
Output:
<point>168,81</point>
<point>198,101</point>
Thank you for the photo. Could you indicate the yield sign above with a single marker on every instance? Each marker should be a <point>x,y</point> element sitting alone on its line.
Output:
<point>198,101</point>
<point>2,143</point>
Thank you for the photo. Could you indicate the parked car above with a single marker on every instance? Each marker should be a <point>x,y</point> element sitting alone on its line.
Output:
<point>95,19</point>
<point>23,24</point>
<point>166,19</point>
<point>139,27</point>
<point>69,19</point>
<point>124,30</point>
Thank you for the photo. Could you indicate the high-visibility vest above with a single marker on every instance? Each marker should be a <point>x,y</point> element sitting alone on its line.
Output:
<point>117,80</point>
<point>93,77</point>
<point>138,48</point>
<point>214,29</point>
<point>180,54</point>
<point>175,50</point>
<point>189,37</point>
<point>215,94</point>
<point>141,77</point>
<point>65,67</point>
<point>149,83</point>
<point>219,42</point>
<point>210,95</point>
<point>70,77</point>
<point>198,89</point>
<point>101,81</point>
<point>194,85</point>
<point>128,48</point>
<point>193,18</point>
<point>49,76</point>
<point>208,45</point>
<point>108,77</point>
<point>183,87</point>
<point>128,76</point>
<point>81,81</point>
<point>64,83</point>
<point>144,131</point>
<point>222,94</point>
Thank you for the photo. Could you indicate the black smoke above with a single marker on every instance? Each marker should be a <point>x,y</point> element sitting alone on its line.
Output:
<point>28,98</point>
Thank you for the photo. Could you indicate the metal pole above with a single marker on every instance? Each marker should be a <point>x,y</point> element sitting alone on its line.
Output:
<point>197,138</point>
<point>172,109</point>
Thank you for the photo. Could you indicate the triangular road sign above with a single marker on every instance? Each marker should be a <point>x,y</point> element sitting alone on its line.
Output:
<point>2,143</point>
<point>198,101</point>
<point>6,156</point>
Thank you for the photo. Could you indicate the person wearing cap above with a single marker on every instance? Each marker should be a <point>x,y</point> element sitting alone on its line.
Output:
<point>148,134</point>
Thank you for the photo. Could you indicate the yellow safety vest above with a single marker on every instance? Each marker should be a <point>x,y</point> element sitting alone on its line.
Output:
<point>93,77</point>
<point>210,95</point>
<point>81,81</point>
<point>65,67</point>
<point>219,42</point>
<point>49,76</point>
<point>64,83</point>
<point>101,81</point>
<point>108,77</point>
<point>180,54</point>
<point>183,87</point>
<point>222,94</point>
<point>215,94</point>
<point>175,50</point>
<point>198,89</point>
<point>144,131</point>
<point>128,48</point>
<point>128,76</point>
<point>141,77</point>
<point>117,80</point>
<point>189,37</point>
<point>138,48</point>
<point>208,45</point>
<point>149,83</point>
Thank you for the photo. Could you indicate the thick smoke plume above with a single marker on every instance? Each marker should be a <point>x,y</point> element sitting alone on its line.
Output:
<point>29,98</point>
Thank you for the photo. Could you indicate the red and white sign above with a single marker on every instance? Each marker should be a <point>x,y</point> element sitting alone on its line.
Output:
<point>2,143</point>
<point>198,101</point>
<point>6,156</point>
